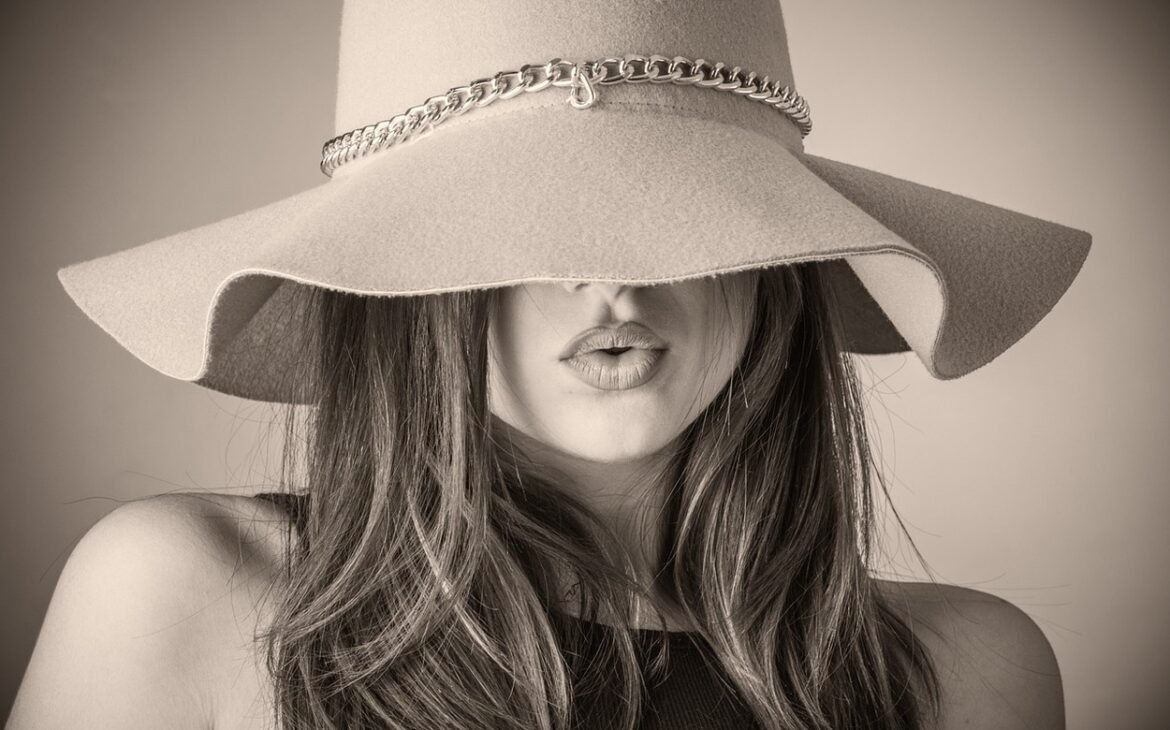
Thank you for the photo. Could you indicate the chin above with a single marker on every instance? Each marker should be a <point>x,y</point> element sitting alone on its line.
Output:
<point>614,448</point>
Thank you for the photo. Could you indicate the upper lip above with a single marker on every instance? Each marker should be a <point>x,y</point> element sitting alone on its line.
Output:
<point>627,334</point>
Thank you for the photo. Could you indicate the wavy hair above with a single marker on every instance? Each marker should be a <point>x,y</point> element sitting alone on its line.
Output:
<point>418,594</point>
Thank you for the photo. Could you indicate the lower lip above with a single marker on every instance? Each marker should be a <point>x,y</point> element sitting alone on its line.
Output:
<point>615,372</point>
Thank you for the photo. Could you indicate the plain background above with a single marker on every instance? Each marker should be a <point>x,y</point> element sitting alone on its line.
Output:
<point>1041,478</point>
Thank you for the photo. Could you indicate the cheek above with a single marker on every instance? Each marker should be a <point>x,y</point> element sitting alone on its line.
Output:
<point>709,362</point>
<point>509,364</point>
<point>736,317</point>
<point>522,345</point>
<point>719,315</point>
<point>723,318</point>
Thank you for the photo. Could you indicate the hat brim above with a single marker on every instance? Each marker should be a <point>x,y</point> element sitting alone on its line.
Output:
<point>552,193</point>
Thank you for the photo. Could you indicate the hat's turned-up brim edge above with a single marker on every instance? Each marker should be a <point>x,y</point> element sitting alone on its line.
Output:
<point>955,280</point>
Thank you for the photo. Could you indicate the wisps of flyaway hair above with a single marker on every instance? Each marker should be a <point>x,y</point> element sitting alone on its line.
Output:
<point>419,594</point>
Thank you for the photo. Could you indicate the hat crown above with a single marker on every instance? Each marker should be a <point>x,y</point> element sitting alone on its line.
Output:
<point>396,55</point>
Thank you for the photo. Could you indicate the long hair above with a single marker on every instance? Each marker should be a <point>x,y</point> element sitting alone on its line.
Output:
<point>417,595</point>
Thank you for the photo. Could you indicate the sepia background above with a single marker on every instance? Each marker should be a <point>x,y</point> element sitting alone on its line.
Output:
<point>1041,477</point>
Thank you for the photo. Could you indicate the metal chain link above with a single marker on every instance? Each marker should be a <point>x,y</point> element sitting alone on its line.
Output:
<point>582,77</point>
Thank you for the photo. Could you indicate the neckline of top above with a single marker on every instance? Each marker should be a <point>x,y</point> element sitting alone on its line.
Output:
<point>638,631</point>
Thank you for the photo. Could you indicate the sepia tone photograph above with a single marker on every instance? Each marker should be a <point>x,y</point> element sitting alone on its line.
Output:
<point>607,365</point>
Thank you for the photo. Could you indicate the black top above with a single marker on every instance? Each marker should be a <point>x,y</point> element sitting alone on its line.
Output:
<point>694,693</point>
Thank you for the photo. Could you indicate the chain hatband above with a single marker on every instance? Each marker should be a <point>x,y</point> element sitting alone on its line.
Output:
<point>582,78</point>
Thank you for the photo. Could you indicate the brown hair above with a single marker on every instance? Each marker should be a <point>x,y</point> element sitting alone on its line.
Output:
<point>417,595</point>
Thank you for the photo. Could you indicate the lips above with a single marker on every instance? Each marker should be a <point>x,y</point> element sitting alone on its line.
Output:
<point>626,335</point>
<point>632,369</point>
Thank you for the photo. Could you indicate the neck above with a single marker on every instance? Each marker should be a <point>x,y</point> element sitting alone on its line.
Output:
<point>629,497</point>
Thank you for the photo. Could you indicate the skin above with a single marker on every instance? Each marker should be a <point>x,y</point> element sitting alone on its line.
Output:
<point>614,444</point>
<point>152,620</point>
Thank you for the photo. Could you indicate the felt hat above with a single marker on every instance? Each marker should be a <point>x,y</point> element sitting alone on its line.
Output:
<point>497,142</point>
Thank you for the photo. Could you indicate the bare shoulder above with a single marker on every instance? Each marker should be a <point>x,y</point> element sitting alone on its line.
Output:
<point>995,666</point>
<point>153,618</point>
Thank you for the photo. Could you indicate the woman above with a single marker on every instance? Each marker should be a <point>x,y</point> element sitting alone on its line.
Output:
<point>498,506</point>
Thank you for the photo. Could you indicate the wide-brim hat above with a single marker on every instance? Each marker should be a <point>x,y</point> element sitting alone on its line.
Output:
<point>502,142</point>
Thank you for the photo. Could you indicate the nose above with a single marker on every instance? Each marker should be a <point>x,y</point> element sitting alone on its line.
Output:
<point>611,290</point>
